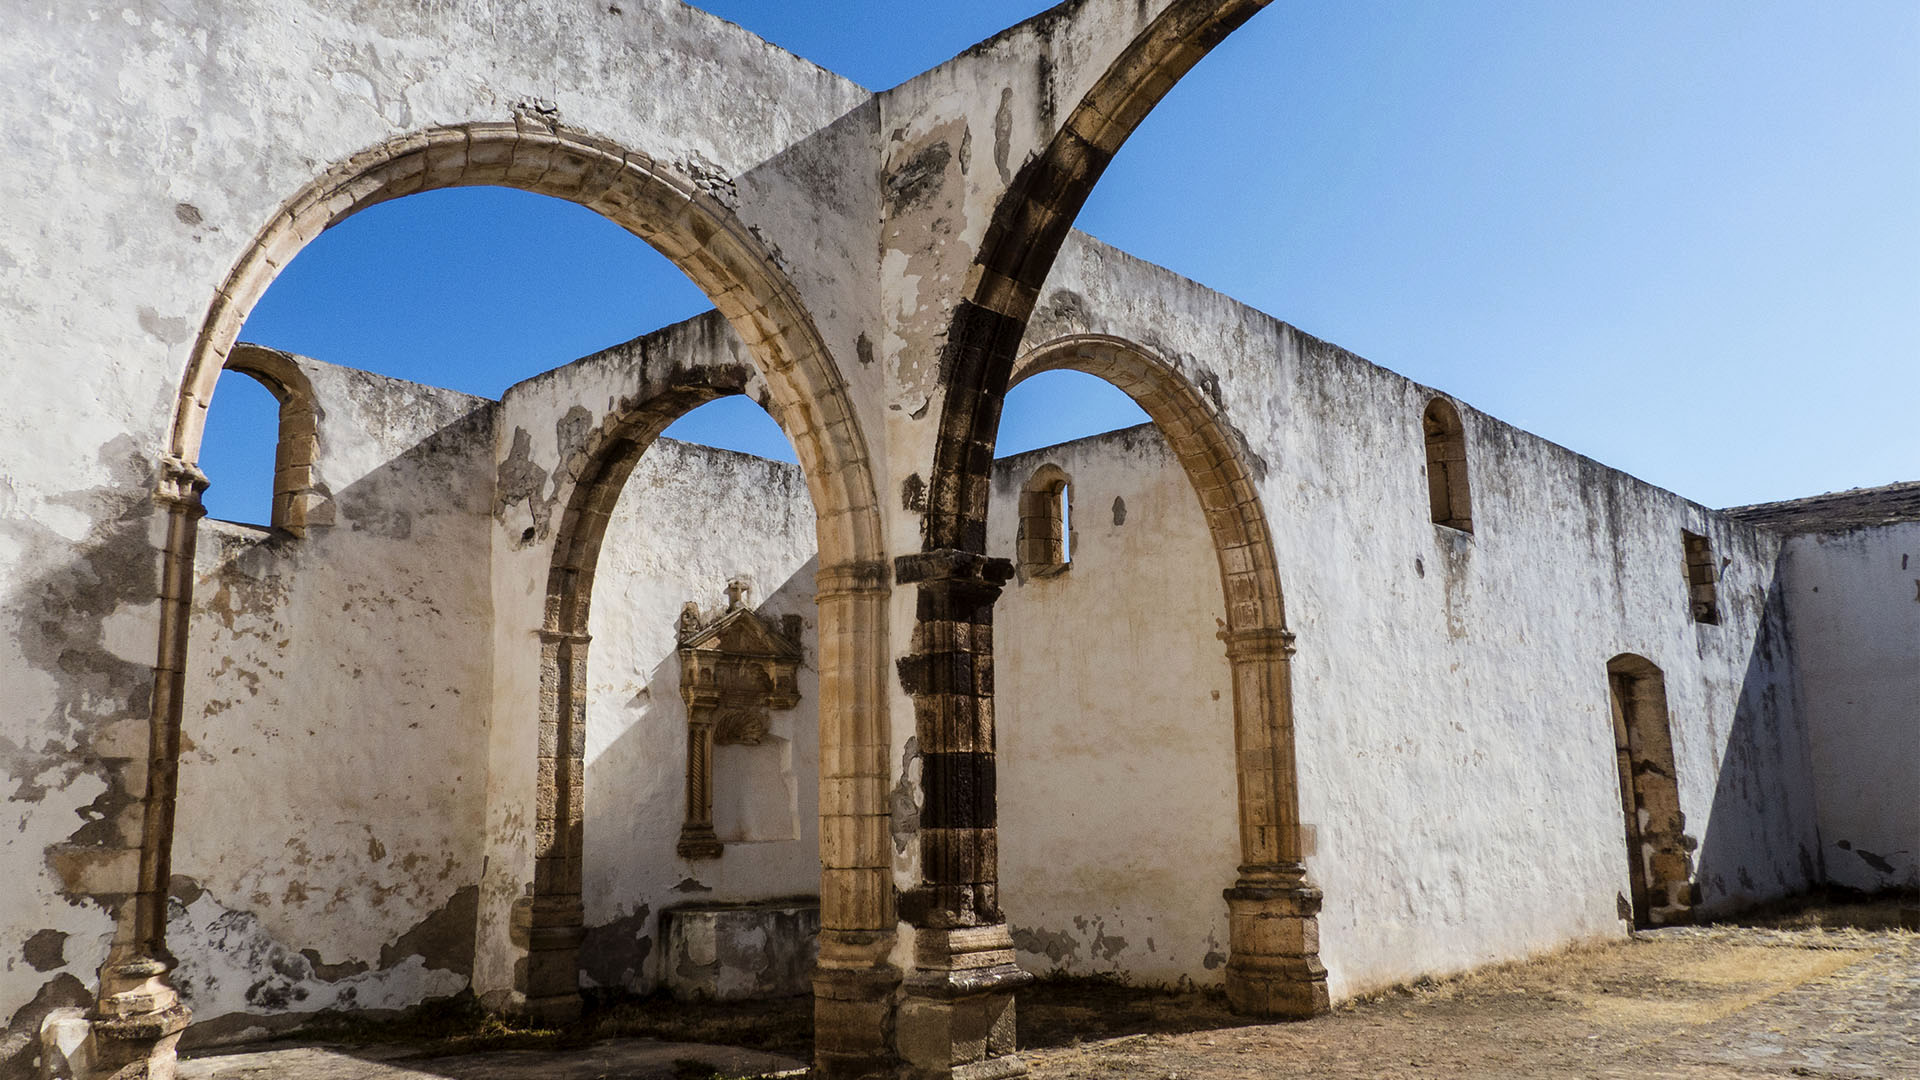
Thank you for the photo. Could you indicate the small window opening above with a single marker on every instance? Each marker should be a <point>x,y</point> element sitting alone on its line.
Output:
<point>1702,578</point>
<point>1046,522</point>
<point>264,412</point>
<point>1450,502</point>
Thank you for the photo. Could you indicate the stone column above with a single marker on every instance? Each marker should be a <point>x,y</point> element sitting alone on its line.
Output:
<point>1273,964</point>
<point>854,982</point>
<point>697,839</point>
<point>556,922</point>
<point>956,1014</point>
<point>138,1017</point>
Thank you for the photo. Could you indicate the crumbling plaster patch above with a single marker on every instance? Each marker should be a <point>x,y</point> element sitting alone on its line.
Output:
<point>337,691</point>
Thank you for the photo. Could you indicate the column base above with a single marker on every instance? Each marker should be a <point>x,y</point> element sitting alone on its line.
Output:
<point>956,1015</point>
<point>1273,963</point>
<point>141,1046</point>
<point>556,927</point>
<point>698,842</point>
<point>853,1001</point>
<point>136,1026</point>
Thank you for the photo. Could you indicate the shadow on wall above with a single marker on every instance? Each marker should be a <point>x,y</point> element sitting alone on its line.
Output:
<point>1761,841</point>
<point>350,747</point>
<point>765,804</point>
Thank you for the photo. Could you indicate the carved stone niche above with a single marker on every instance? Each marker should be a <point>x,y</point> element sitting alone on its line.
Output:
<point>736,667</point>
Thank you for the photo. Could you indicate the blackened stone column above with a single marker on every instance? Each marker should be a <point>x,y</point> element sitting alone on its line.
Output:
<point>956,1013</point>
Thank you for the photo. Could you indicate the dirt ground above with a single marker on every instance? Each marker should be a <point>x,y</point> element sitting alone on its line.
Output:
<point>1830,992</point>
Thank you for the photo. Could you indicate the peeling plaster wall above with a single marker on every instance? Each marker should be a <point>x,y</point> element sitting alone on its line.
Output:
<point>1853,600</point>
<point>165,137</point>
<point>691,518</point>
<point>1114,720</point>
<point>327,847</point>
<point>1450,693</point>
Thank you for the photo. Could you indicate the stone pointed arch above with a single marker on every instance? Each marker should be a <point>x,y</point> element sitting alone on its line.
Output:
<point>1029,223</point>
<point>1273,965</point>
<point>141,1014</point>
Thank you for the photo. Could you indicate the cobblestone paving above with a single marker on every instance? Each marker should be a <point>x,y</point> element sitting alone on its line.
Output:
<point>1700,1004</point>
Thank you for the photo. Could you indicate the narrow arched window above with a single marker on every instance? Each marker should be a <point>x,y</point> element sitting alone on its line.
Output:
<point>298,498</point>
<point>1447,492</point>
<point>1046,522</point>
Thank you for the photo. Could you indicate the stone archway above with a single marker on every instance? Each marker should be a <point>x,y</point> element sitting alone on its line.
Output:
<point>1030,222</point>
<point>1273,965</point>
<point>965,970</point>
<point>141,1016</point>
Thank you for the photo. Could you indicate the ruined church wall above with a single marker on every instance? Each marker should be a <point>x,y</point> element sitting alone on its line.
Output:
<point>332,819</point>
<point>327,846</point>
<point>1114,719</point>
<point>1853,602</point>
<point>696,517</point>
<point>1450,696</point>
<point>690,519</point>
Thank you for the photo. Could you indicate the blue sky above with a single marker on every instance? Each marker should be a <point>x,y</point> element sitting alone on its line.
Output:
<point>1680,238</point>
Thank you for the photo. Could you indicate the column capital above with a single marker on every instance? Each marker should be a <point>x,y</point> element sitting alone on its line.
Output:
<point>1258,642</point>
<point>180,485</point>
<point>562,637</point>
<point>952,566</point>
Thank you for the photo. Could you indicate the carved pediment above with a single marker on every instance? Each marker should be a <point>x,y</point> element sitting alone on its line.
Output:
<point>745,634</point>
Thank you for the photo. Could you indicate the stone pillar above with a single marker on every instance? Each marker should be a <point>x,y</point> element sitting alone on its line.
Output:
<point>956,1014</point>
<point>138,1018</point>
<point>854,982</point>
<point>1273,962</point>
<point>556,921</point>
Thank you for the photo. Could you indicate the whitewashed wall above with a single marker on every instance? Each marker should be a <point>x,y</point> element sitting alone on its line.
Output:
<point>1455,748</point>
<point>327,846</point>
<point>1854,607</point>
<point>167,137</point>
<point>1114,719</point>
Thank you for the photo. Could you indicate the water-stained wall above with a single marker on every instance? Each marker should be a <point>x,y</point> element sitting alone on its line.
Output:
<point>326,849</point>
<point>330,838</point>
